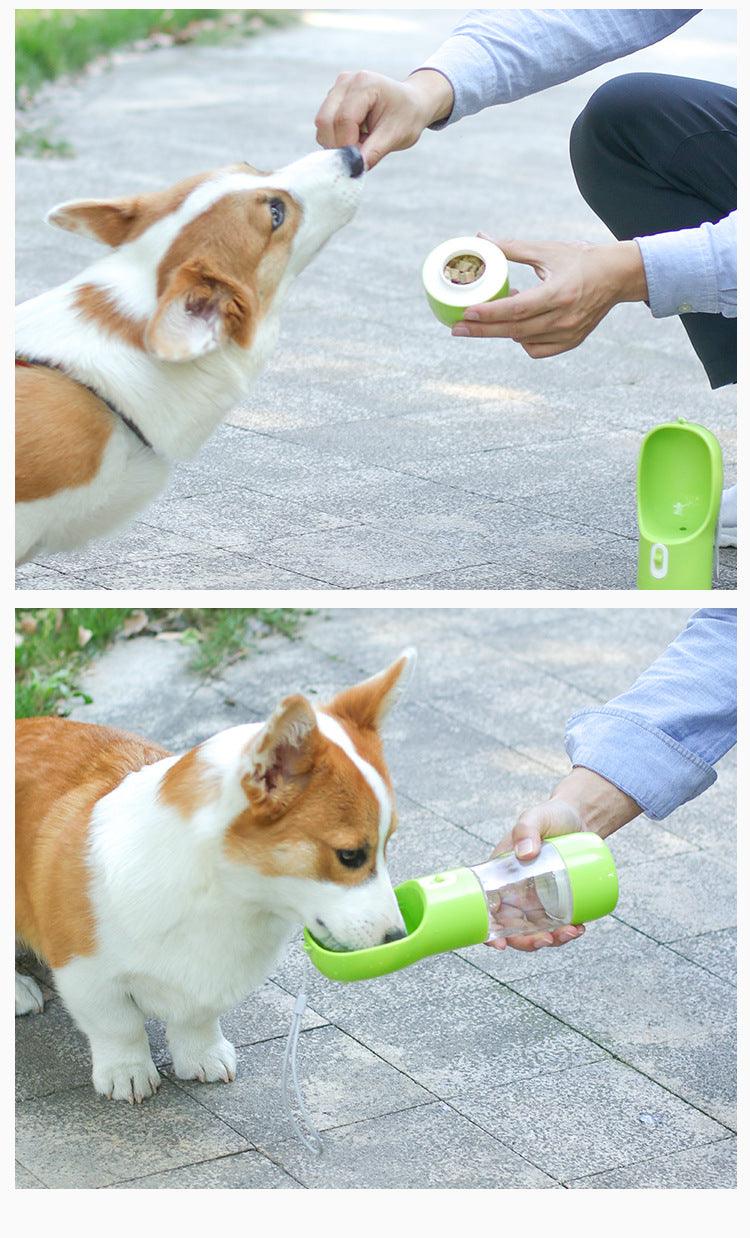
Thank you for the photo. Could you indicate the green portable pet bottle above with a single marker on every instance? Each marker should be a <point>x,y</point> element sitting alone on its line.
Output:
<point>678,497</point>
<point>572,880</point>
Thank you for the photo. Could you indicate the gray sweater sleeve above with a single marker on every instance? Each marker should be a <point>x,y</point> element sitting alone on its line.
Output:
<point>498,55</point>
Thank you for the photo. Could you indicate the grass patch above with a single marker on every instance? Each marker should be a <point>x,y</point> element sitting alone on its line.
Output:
<point>52,42</point>
<point>225,636</point>
<point>54,646</point>
<point>41,144</point>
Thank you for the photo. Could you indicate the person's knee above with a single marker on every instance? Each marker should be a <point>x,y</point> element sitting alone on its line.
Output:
<point>613,110</point>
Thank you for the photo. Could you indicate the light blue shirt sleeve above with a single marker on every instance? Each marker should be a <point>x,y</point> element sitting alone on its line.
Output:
<point>693,271</point>
<point>659,741</point>
<point>498,55</point>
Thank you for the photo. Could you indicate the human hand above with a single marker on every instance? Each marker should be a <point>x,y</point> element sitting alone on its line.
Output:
<point>583,800</point>
<point>580,285</point>
<point>380,114</point>
<point>556,816</point>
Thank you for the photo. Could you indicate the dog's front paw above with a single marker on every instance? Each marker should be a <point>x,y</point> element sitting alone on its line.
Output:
<point>29,997</point>
<point>131,1081</point>
<point>215,1064</point>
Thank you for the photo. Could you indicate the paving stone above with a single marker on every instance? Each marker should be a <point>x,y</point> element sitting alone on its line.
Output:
<point>239,457</point>
<point>138,543</point>
<point>658,1012</point>
<point>178,709</point>
<point>709,822</point>
<point>613,563</point>
<point>674,895</point>
<point>350,558</point>
<point>78,1139</point>
<point>706,1167</point>
<point>444,1024</point>
<point>482,786</point>
<point>643,840</point>
<point>493,698</point>
<point>716,951</point>
<point>26,1181</point>
<point>344,631</point>
<point>499,627</point>
<point>510,419</point>
<point>283,667</point>
<point>594,948</point>
<point>727,574</point>
<point>601,658</point>
<point>324,391</point>
<point>239,519</point>
<point>424,843</point>
<point>597,1116</point>
<point>243,1171</point>
<point>430,1146</point>
<point>213,569</point>
<point>534,473</point>
<point>51,1053</point>
<point>341,1081</point>
<point>36,576</point>
<point>479,576</point>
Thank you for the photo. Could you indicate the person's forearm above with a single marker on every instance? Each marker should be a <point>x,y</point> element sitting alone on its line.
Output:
<point>435,93</point>
<point>601,806</point>
<point>499,55</point>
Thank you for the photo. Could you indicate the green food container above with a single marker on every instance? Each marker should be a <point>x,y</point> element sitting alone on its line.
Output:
<point>474,259</point>
<point>678,493</point>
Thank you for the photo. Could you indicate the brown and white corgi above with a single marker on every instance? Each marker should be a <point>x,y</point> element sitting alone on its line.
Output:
<point>167,886</point>
<point>132,364</point>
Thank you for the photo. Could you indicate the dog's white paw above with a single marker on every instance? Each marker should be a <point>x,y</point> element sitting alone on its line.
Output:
<point>131,1081</point>
<point>215,1064</point>
<point>29,997</point>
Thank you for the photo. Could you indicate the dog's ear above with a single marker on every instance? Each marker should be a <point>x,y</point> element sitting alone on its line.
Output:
<point>110,220</point>
<point>280,758</point>
<point>200,310</point>
<point>367,704</point>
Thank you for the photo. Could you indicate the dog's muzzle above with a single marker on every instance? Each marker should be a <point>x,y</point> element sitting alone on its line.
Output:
<point>353,161</point>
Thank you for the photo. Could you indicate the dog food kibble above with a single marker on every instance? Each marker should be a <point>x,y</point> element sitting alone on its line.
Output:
<point>464,269</point>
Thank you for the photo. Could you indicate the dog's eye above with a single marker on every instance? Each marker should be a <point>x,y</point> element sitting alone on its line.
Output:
<point>278,211</point>
<point>352,859</point>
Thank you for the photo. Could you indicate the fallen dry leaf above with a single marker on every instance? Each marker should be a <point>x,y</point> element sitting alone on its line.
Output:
<point>84,636</point>
<point>135,623</point>
<point>28,624</point>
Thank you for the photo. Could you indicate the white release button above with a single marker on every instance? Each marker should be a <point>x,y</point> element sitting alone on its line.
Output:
<point>659,561</point>
<point>685,308</point>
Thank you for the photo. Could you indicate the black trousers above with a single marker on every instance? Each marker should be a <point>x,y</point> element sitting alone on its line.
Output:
<point>655,153</point>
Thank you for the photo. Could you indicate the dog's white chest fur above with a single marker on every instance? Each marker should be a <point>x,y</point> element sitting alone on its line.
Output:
<point>170,924</point>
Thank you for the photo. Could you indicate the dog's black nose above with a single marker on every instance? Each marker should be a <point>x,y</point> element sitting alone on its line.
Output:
<point>394,934</point>
<point>353,160</point>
